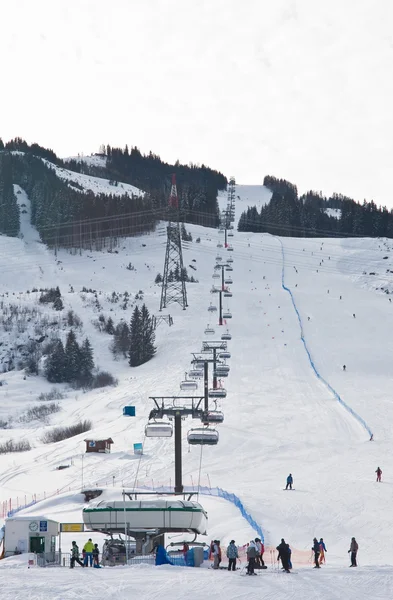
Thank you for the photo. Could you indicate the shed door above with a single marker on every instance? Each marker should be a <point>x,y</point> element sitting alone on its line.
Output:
<point>37,545</point>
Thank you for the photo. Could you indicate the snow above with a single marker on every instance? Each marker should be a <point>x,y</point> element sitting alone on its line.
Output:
<point>94,160</point>
<point>333,212</point>
<point>279,417</point>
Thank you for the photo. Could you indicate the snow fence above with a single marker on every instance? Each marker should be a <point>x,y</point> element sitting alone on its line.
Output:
<point>314,368</point>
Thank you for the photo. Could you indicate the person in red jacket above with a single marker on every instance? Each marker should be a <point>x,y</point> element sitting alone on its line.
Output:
<point>379,473</point>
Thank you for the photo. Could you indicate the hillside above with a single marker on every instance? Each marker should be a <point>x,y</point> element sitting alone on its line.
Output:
<point>279,416</point>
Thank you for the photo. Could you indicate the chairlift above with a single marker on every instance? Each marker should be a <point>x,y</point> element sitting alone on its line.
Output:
<point>212,308</point>
<point>230,234</point>
<point>213,416</point>
<point>159,429</point>
<point>195,373</point>
<point>209,330</point>
<point>228,268</point>
<point>202,437</point>
<point>188,384</point>
<point>228,281</point>
<point>228,294</point>
<point>230,259</point>
<point>216,275</point>
<point>222,368</point>
<point>218,258</point>
<point>217,393</point>
<point>219,245</point>
<point>226,336</point>
<point>223,355</point>
<point>221,230</point>
<point>220,374</point>
<point>230,248</point>
<point>226,315</point>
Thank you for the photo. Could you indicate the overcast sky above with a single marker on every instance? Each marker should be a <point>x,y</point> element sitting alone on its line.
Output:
<point>301,89</point>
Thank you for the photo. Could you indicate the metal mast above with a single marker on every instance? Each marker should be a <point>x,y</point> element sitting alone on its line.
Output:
<point>173,283</point>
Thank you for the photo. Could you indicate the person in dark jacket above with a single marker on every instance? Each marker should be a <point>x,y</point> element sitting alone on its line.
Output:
<point>289,481</point>
<point>96,556</point>
<point>75,556</point>
<point>379,473</point>
<point>315,549</point>
<point>284,555</point>
<point>232,555</point>
<point>353,549</point>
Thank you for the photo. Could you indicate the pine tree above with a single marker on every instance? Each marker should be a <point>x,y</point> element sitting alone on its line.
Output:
<point>73,357</point>
<point>86,364</point>
<point>135,339</point>
<point>109,326</point>
<point>121,339</point>
<point>55,370</point>
<point>147,335</point>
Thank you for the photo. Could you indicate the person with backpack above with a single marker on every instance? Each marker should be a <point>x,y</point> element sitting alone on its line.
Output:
<point>289,481</point>
<point>232,555</point>
<point>284,555</point>
<point>75,556</point>
<point>379,473</point>
<point>96,557</point>
<point>251,556</point>
<point>315,549</point>
<point>353,549</point>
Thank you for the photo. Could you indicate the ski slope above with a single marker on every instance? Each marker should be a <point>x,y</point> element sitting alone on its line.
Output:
<point>279,416</point>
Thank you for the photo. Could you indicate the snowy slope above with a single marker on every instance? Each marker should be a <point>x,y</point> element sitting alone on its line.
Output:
<point>279,417</point>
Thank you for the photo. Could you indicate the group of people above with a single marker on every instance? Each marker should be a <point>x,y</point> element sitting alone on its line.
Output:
<point>319,550</point>
<point>90,555</point>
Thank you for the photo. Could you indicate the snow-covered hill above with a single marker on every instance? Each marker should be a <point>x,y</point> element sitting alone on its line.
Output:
<point>279,416</point>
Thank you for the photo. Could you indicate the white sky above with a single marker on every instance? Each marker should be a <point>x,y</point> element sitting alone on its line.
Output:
<point>301,89</point>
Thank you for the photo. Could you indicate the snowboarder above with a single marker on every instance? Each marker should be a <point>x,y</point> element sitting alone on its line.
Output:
<point>354,316</point>
<point>341,297</point>
<point>322,550</point>
<point>284,555</point>
<point>344,367</point>
<point>88,550</point>
<point>75,556</point>
<point>315,549</point>
<point>353,549</point>
<point>251,555</point>
<point>379,473</point>
<point>308,318</point>
<point>289,481</point>
<point>232,555</point>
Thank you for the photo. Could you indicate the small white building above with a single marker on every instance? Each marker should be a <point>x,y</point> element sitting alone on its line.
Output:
<point>30,534</point>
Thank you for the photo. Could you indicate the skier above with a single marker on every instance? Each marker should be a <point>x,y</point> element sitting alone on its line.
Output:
<point>251,555</point>
<point>315,549</point>
<point>344,367</point>
<point>289,481</point>
<point>232,555</point>
<point>354,316</point>
<point>284,555</point>
<point>353,549</point>
<point>308,318</point>
<point>379,473</point>
<point>322,550</point>
<point>75,556</point>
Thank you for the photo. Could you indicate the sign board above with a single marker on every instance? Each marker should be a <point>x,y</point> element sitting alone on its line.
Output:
<point>43,525</point>
<point>72,527</point>
<point>138,448</point>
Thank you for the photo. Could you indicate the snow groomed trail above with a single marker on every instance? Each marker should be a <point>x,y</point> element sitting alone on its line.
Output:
<point>312,363</point>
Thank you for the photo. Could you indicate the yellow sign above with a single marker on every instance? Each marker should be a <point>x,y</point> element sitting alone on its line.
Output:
<point>72,527</point>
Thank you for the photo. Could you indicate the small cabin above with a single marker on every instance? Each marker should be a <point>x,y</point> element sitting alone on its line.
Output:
<point>30,534</point>
<point>99,445</point>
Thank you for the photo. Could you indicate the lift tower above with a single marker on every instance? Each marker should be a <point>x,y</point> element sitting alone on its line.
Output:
<point>173,281</point>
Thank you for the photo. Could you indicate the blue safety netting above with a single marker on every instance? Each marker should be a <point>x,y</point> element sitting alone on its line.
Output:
<point>326,383</point>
